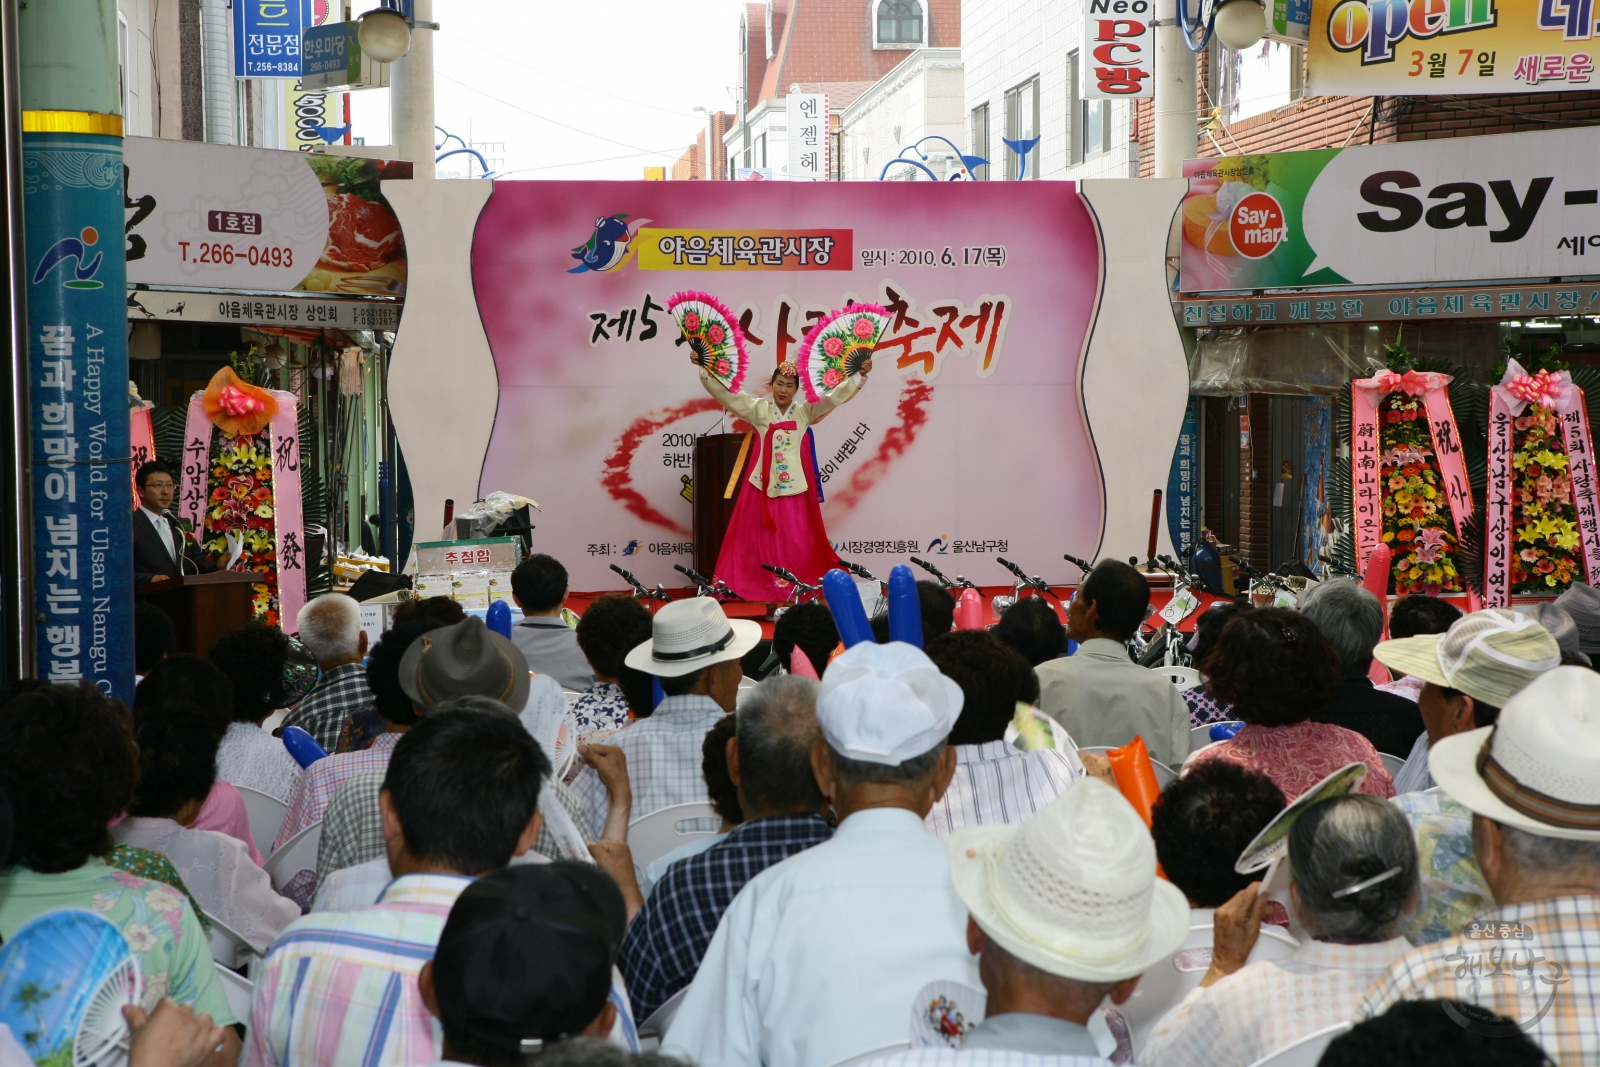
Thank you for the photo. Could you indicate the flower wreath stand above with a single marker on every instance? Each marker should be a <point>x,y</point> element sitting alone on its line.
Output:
<point>1408,478</point>
<point>1541,529</point>
<point>240,488</point>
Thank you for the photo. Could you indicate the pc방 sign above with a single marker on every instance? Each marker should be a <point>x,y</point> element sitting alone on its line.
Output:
<point>1523,205</point>
<point>1119,45</point>
<point>1426,47</point>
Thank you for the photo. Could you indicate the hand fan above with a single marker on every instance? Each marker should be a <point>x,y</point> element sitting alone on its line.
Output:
<point>1272,843</point>
<point>64,979</point>
<point>837,346</point>
<point>712,332</point>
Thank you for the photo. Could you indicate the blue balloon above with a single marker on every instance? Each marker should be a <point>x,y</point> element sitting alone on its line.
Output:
<point>302,746</point>
<point>905,611</point>
<point>499,618</point>
<point>1222,731</point>
<point>849,617</point>
<point>657,694</point>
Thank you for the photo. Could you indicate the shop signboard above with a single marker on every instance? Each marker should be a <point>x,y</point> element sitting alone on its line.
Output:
<point>222,217</point>
<point>266,37</point>
<point>1119,39</point>
<point>1522,205</point>
<point>808,136</point>
<point>1431,47</point>
<point>334,60</point>
<point>971,411</point>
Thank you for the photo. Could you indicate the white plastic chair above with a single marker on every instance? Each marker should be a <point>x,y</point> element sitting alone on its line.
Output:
<point>299,853</point>
<point>653,836</point>
<point>1392,764</point>
<point>1182,677</point>
<point>1165,775</point>
<point>1164,985</point>
<point>1307,1051</point>
<point>229,947</point>
<point>571,696</point>
<point>266,814</point>
<point>661,1018</point>
<point>881,1050</point>
<point>1200,736</point>
<point>239,990</point>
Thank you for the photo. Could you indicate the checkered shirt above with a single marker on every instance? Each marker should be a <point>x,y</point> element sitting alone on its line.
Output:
<point>664,758</point>
<point>996,783</point>
<point>352,828</point>
<point>665,943</point>
<point>1544,957</point>
<point>341,987</point>
<point>323,779</point>
<point>323,710</point>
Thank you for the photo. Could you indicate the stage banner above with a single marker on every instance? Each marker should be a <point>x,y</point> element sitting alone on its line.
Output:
<point>1519,205</point>
<point>969,440</point>
<point>1183,481</point>
<point>1429,47</point>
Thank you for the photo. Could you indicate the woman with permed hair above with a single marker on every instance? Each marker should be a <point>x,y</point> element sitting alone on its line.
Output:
<point>1277,670</point>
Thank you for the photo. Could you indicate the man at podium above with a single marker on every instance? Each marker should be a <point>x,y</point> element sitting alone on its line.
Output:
<point>161,548</point>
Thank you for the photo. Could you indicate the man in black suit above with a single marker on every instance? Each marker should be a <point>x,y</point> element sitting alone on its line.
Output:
<point>161,547</point>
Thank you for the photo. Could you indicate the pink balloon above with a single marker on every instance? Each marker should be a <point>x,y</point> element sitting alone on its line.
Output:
<point>800,665</point>
<point>1376,579</point>
<point>969,610</point>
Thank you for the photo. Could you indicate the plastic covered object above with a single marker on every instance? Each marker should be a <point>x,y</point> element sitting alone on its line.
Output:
<point>1136,777</point>
<point>498,507</point>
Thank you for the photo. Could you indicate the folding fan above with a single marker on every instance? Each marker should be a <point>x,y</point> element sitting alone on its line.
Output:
<point>64,979</point>
<point>837,346</point>
<point>712,333</point>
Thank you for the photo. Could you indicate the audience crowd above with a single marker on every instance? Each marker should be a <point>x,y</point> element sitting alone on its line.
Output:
<point>597,843</point>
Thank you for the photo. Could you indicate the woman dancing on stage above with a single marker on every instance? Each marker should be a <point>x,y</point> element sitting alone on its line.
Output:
<point>778,519</point>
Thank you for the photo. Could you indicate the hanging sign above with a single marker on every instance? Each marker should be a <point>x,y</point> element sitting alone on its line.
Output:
<point>1182,481</point>
<point>1119,41</point>
<point>266,37</point>
<point>808,136</point>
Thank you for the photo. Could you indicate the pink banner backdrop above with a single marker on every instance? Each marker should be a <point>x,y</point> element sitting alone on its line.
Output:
<point>142,442</point>
<point>1365,395</point>
<point>968,442</point>
<point>1507,402</point>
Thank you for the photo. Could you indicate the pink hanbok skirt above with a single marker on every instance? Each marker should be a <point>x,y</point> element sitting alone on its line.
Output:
<point>785,531</point>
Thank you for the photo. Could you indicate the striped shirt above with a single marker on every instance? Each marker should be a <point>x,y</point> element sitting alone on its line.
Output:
<point>663,753</point>
<point>323,779</point>
<point>980,1057</point>
<point>1536,963</point>
<point>339,989</point>
<point>996,783</point>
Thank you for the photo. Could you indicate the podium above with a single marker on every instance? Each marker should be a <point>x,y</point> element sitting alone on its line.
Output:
<point>715,456</point>
<point>203,607</point>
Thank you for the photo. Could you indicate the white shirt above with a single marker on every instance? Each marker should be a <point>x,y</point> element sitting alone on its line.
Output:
<point>1264,1006</point>
<point>163,530</point>
<point>998,783</point>
<point>980,1057</point>
<point>820,957</point>
<point>251,757</point>
<point>219,872</point>
<point>1415,777</point>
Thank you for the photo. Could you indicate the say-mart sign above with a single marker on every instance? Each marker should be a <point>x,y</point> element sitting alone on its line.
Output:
<point>1521,205</point>
<point>266,37</point>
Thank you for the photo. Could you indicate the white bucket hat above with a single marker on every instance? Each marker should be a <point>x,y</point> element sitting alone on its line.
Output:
<point>886,704</point>
<point>1490,655</point>
<point>1073,890</point>
<point>1538,767</point>
<point>687,635</point>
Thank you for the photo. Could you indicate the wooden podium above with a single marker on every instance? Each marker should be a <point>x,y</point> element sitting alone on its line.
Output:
<point>715,456</point>
<point>203,606</point>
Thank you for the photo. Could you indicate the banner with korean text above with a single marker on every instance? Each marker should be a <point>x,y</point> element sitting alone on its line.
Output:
<point>969,441</point>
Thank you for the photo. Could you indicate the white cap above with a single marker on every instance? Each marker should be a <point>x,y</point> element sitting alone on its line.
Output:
<point>886,703</point>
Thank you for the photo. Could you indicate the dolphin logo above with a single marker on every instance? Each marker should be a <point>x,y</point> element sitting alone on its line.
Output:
<point>75,249</point>
<point>608,246</point>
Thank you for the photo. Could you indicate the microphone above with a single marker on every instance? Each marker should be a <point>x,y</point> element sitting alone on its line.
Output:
<point>858,570</point>
<point>180,542</point>
<point>1082,565</point>
<point>694,576</point>
<point>638,587</point>
<point>944,583</point>
<point>1032,583</point>
<point>781,573</point>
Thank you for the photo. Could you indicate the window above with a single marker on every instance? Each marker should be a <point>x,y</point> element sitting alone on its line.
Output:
<point>899,22</point>
<point>1074,118</point>
<point>1022,124</point>
<point>1262,78</point>
<point>1096,123</point>
<point>980,140</point>
<point>761,151</point>
<point>122,63</point>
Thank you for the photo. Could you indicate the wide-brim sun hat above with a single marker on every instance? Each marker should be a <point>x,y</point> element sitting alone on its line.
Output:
<point>1582,603</point>
<point>1537,769</point>
<point>1491,655</point>
<point>466,659</point>
<point>687,635</point>
<point>1073,890</point>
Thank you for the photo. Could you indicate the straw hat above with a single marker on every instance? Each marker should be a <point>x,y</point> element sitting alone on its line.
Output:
<point>1489,655</point>
<point>1538,768</point>
<point>1582,602</point>
<point>467,659</point>
<point>886,704</point>
<point>687,635</point>
<point>1073,890</point>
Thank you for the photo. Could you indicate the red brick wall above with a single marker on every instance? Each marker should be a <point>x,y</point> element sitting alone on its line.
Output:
<point>831,41</point>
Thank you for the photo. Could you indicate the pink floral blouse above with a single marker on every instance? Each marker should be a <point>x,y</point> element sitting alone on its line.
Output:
<point>1298,756</point>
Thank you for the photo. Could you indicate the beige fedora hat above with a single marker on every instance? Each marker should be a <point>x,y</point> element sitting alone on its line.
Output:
<point>686,635</point>
<point>1538,767</point>
<point>1073,890</point>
